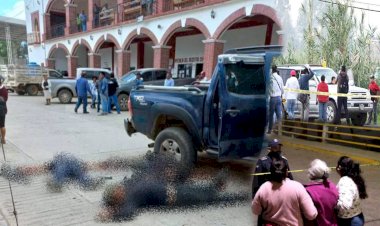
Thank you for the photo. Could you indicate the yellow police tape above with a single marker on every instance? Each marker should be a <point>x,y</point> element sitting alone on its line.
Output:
<point>330,94</point>
<point>303,170</point>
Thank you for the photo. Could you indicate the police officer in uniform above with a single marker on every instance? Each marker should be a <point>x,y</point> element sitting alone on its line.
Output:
<point>264,163</point>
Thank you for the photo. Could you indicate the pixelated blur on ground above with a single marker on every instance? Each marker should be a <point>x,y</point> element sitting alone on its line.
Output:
<point>37,132</point>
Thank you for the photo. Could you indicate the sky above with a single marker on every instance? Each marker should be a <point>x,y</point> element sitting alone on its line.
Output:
<point>13,8</point>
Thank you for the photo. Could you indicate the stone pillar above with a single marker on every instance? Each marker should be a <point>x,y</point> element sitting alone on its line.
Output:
<point>160,6</point>
<point>71,21</point>
<point>91,16</point>
<point>50,63</point>
<point>212,49</point>
<point>120,11</point>
<point>72,64</point>
<point>47,29</point>
<point>94,60</point>
<point>123,62</point>
<point>161,56</point>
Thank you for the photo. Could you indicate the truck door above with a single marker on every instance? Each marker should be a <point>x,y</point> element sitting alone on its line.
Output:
<point>242,108</point>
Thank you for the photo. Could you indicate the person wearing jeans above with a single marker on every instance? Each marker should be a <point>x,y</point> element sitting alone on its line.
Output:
<point>323,99</point>
<point>374,90</point>
<point>112,88</point>
<point>275,102</point>
<point>306,75</point>
<point>291,97</point>
<point>82,87</point>
<point>104,93</point>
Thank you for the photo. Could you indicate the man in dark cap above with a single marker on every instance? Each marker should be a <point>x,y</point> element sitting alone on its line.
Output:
<point>343,88</point>
<point>264,163</point>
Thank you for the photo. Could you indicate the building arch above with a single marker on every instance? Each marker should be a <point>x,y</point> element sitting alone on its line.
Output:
<point>258,9</point>
<point>143,31</point>
<point>190,22</point>
<point>56,47</point>
<point>102,40</point>
<point>77,45</point>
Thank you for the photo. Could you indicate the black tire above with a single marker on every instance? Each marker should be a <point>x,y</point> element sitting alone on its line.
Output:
<point>358,119</point>
<point>123,101</point>
<point>20,93</point>
<point>65,96</point>
<point>331,112</point>
<point>185,153</point>
<point>32,90</point>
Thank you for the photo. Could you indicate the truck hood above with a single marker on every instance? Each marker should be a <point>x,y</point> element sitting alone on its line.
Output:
<point>354,89</point>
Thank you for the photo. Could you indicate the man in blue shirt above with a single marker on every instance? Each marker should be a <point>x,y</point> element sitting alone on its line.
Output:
<point>103,89</point>
<point>83,19</point>
<point>169,80</point>
<point>82,87</point>
<point>138,81</point>
<point>306,75</point>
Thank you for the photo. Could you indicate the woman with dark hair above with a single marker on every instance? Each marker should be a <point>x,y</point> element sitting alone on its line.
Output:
<point>282,201</point>
<point>323,193</point>
<point>351,188</point>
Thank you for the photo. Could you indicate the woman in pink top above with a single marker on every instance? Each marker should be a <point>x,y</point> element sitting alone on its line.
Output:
<point>323,193</point>
<point>281,201</point>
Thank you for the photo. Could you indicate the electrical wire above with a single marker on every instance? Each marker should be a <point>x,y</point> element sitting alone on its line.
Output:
<point>354,7</point>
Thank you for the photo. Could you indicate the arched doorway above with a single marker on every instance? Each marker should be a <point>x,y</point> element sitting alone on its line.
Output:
<point>138,50</point>
<point>56,19</point>
<point>186,48</point>
<point>81,50</point>
<point>57,58</point>
<point>105,52</point>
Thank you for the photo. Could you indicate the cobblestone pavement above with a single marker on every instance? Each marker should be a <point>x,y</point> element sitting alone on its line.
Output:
<point>37,132</point>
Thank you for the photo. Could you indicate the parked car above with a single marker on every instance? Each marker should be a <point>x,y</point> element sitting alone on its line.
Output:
<point>150,76</point>
<point>64,88</point>
<point>25,79</point>
<point>227,119</point>
<point>358,106</point>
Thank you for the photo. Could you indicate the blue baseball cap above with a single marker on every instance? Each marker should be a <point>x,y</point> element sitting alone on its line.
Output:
<point>274,142</point>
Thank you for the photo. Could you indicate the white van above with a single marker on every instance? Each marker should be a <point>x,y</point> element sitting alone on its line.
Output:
<point>90,72</point>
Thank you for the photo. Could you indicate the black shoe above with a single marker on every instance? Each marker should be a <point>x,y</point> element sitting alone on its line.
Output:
<point>86,112</point>
<point>75,110</point>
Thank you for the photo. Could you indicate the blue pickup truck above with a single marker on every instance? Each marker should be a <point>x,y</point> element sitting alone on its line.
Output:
<point>226,118</point>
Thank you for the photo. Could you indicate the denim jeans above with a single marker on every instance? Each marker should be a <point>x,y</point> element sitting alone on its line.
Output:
<point>290,107</point>
<point>99,102</point>
<point>84,26</point>
<point>322,111</point>
<point>113,99</point>
<point>275,106</point>
<point>305,109</point>
<point>355,221</point>
<point>105,105</point>
<point>373,113</point>
<point>80,101</point>
<point>342,103</point>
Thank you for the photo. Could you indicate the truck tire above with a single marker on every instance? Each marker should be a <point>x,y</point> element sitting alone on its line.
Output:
<point>176,143</point>
<point>65,96</point>
<point>123,101</point>
<point>32,90</point>
<point>358,119</point>
<point>331,112</point>
<point>20,92</point>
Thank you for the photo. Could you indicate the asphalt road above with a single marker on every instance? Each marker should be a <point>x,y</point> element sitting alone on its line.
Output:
<point>35,133</point>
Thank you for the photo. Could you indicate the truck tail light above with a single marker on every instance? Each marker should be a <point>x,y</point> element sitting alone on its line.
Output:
<point>130,106</point>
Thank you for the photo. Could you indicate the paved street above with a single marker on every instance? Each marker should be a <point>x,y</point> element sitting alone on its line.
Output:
<point>35,133</point>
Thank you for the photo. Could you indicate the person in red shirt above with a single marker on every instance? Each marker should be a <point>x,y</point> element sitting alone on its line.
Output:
<point>3,108</point>
<point>374,90</point>
<point>323,99</point>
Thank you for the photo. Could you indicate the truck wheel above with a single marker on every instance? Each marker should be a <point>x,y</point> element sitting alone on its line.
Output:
<point>123,101</point>
<point>20,93</point>
<point>177,143</point>
<point>32,90</point>
<point>65,96</point>
<point>359,119</point>
<point>331,112</point>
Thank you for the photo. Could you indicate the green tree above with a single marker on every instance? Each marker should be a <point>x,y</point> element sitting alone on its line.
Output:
<point>312,51</point>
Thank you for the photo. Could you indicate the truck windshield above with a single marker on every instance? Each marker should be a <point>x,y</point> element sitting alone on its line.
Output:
<point>245,79</point>
<point>327,72</point>
<point>128,77</point>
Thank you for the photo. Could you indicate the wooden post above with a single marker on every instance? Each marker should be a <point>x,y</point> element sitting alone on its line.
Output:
<point>324,133</point>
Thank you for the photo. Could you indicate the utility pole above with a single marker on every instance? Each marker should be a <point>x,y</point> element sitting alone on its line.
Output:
<point>9,44</point>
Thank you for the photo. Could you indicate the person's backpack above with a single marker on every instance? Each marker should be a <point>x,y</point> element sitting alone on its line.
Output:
<point>343,84</point>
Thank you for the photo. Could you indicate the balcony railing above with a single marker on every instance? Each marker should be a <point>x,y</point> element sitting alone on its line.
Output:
<point>173,5</point>
<point>56,31</point>
<point>33,38</point>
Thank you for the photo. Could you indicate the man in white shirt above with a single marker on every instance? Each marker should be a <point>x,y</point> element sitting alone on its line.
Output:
<point>276,89</point>
<point>291,97</point>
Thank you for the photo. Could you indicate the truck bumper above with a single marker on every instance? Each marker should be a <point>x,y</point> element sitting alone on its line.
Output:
<point>360,107</point>
<point>129,128</point>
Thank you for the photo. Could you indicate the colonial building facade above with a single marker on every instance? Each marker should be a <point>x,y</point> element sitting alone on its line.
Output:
<point>185,36</point>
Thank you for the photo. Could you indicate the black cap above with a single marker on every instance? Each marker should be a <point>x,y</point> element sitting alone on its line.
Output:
<point>372,77</point>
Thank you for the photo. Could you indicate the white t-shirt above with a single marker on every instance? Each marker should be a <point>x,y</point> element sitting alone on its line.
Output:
<point>349,201</point>
<point>277,86</point>
<point>292,83</point>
